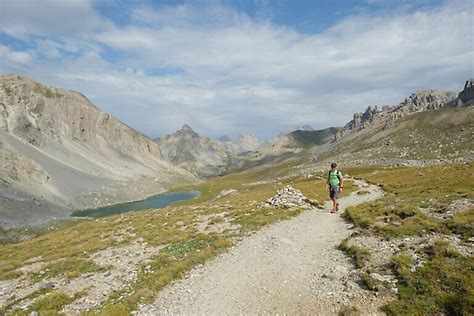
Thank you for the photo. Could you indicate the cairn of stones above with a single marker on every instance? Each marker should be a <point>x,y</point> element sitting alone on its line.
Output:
<point>289,197</point>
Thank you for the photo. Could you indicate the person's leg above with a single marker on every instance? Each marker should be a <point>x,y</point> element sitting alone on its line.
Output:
<point>335,197</point>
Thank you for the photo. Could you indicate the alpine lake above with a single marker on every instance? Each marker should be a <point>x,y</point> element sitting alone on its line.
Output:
<point>153,202</point>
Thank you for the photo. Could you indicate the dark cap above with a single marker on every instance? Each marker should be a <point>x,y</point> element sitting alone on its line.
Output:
<point>333,165</point>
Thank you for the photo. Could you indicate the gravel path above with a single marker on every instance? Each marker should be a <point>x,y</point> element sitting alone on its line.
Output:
<point>292,267</point>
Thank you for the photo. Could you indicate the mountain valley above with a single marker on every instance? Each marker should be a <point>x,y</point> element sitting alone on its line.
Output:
<point>406,220</point>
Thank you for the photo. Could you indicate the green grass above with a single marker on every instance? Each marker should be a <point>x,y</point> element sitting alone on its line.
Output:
<point>36,294</point>
<point>360,255</point>
<point>408,189</point>
<point>443,285</point>
<point>68,267</point>
<point>15,235</point>
<point>462,224</point>
<point>211,188</point>
<point>50,303</point>
<point>181,249</point>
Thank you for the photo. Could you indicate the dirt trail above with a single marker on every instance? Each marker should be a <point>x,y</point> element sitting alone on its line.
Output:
<point>292,267</point>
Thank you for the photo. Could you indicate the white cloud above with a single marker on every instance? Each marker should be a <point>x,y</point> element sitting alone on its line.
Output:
<point>233,73</point>
<point>49,48</point>
<point>24,18</point>
<point>9,56</point>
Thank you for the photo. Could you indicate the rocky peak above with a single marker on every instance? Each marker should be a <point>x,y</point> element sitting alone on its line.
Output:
<point>186,130</point>
<point>193,152</point>
<point>42,115</point>
<point>467,94</point>
<point>247,140</point>
<point>421,100</point>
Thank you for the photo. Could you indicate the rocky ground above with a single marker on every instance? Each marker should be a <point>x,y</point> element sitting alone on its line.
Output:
<point>119,268</point>
<point>292,267</point>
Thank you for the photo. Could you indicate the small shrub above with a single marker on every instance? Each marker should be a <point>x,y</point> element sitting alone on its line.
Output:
<point>360,255</point>
<point>462,224</point>
<point>368,281</point>
<point>349,311</point>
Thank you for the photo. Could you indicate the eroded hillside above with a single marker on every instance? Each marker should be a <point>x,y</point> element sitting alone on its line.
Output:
<point>59,152</point>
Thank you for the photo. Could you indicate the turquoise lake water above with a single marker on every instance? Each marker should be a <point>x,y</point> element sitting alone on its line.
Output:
<point>157,201</point>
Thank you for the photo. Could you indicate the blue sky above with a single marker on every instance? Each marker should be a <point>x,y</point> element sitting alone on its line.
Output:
<point>227,66</point>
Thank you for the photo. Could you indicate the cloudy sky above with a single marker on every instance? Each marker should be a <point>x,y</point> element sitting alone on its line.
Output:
<point>227,66</point>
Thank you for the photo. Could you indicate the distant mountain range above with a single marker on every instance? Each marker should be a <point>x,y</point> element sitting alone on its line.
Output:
<point>206,157</point>
<point>59,152</point>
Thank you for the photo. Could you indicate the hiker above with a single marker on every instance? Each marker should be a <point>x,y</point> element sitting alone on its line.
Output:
<point>335,185</point>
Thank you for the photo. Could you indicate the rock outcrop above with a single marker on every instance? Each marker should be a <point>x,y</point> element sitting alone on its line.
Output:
<point>44,115</point>
<point>56,146</point>
<point>422,100</point>
<point>466,96</point>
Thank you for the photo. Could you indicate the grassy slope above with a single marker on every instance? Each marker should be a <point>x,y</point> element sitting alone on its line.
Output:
<point>66,252</point>
<point>308,139</point>
<point>443,133</point>
<point>444,284</point>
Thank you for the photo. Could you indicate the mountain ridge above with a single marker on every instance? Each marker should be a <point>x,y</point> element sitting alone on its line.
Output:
<point>77,153</point>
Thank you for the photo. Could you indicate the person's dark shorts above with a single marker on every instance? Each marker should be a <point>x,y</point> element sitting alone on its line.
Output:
<point>334,192</point>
